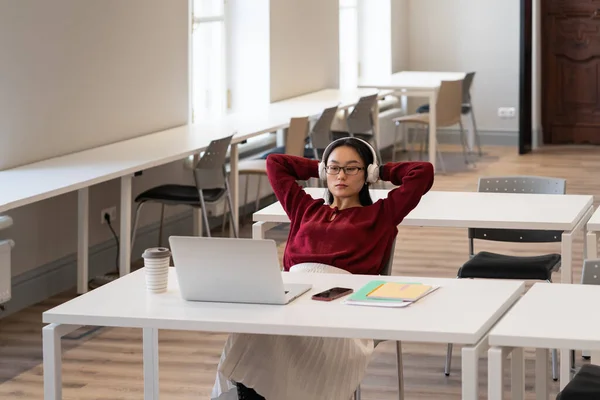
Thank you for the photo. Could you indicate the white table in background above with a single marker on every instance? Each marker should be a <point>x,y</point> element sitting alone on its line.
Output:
<point>437,318</point>
<point>548,316</point>
<point>567,213</point>
<point>78,171</point>
<point>326,98</point>
<point>419,84</point>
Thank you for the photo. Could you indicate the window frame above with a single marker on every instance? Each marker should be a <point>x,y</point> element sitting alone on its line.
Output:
<point>196,21</point>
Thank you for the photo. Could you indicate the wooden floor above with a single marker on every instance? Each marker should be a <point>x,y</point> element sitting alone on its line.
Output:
<point>107,363</point>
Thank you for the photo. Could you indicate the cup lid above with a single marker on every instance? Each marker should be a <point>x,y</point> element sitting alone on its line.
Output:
<point>157,252</point>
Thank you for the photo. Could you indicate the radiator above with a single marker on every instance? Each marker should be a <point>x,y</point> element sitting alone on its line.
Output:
<point>5,272</point>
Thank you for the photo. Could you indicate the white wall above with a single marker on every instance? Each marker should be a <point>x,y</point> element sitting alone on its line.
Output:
<point>375,38</point>
<point>304,46</point>
<point>471,35</point>
<point>78,74</point>
<point>400,31</point>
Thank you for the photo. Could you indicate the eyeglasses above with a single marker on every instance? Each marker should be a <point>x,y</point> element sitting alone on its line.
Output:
<point>335,170</point>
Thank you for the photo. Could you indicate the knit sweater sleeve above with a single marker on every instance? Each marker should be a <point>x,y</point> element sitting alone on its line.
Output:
<point>414,180</point>
<point>283,172</point>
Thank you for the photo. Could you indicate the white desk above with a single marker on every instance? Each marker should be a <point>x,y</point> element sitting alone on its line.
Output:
<point>437,318</point>
<point>567,213</point>
<point>78,171</point>
<point>548,316</point>
<point>419,84</point>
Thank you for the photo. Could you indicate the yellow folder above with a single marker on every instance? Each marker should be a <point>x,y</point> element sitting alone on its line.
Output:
<point>400,291</point>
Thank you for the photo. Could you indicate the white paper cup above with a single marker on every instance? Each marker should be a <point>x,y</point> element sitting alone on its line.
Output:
<point>156,264</point>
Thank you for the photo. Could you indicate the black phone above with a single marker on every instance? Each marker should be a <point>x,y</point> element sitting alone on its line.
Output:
<point>332,294</point>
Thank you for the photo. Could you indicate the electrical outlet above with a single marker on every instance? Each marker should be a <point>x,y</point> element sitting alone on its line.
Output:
<point>112,211</point>
<point>506,112</point>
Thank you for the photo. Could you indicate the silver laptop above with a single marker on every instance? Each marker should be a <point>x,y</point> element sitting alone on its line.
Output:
<point>231,271</point>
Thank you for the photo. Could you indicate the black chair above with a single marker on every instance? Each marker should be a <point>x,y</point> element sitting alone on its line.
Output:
<point>500,266</point>
<point>585,385</point>
<point>211,186</point>
<point>246,393</point>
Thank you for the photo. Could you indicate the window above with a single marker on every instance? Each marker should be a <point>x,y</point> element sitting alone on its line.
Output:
<point>208,58</point>
<point>348,44</point>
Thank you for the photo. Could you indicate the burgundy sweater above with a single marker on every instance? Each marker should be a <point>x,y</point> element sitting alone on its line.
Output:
<point>358,239</point>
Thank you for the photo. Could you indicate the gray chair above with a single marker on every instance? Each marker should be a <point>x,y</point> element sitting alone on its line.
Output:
<point>211,185</point>
<point>499,266</point>
<point>360,122</point>
<point>387,270</point>
<point>294,145</point>
<point>467,107</point>
<point>320,135</point>
<point>590,274</point>
<point>448,107</point>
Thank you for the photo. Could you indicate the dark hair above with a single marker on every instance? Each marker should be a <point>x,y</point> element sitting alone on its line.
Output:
<point>366,155</point>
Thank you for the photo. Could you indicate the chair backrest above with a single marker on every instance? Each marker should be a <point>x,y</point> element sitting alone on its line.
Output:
<point>518,184</point>
<point>387,269</point>
<point>295,138</point>
<point>449,103</point>
<point>590,275</point>
<point>360,119</point>
<point>209,172</point>
<point>466,89</point>
<point>320,136</point>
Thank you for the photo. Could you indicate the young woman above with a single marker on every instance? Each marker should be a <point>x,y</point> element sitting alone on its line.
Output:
<point>346,232</point>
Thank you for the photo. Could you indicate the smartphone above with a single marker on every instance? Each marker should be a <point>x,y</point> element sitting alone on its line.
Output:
<point>332,294</point>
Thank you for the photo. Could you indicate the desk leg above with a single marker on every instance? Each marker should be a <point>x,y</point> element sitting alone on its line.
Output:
<point>566,250</point>
<point>151,390</point>
<point>52,355</point>
<point>260,228</point>
<point>541,374</point>
<point>125,239</point>
<point>234,187</point>
<point>432,128</point>
<point>495,373</point>
<point>591,253</point>
<point>470,369</point>
<point>592,245</point>
<point>565,367</point>
<point>517,374</point>
<point>83,217</point>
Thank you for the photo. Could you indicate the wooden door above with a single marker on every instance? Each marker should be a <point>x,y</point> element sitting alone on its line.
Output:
<point>571,71</point>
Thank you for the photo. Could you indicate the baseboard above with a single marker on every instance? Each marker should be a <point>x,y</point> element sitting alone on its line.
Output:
<point>488,137</point>
<point>60,275</point>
